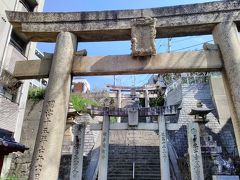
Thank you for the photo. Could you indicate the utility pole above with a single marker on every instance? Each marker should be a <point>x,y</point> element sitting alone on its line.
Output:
<point>133,80</point>
<point>114,80</point>
<point>169,50</point>
<point>169,44</point>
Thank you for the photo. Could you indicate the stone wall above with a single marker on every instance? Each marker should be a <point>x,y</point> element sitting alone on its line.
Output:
<point>222,133</point>
<point>21,161</point>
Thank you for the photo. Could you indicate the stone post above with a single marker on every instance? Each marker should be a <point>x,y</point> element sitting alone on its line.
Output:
<point>77,153</point>
<point>194,150</point>
<point>147,104</point>
<point>226,36</point>
<point>164,159</point>
<point>103,160</point>
<point>119,97</point>
<point>47,152</point>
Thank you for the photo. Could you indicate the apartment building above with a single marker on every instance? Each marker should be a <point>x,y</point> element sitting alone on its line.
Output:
<point>14,47</point>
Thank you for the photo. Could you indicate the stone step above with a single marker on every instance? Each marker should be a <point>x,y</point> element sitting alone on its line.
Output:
<point>120,149</point>
<point>137,163</point>
<point>157,169</point>
<point>137,148</point>
<point>130,178</point>
<point>126,177</point>
<point>137,158</point>
<point>132,151</point>
<point>128,166</point>
<point>136,177</point>
<point>147,163</point>
<point>122,175</point>
<point>138,172</point>
<point>117,154</point>
<point>131,154</point>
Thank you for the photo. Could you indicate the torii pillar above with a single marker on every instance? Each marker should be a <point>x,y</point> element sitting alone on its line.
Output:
<point>77,152</point>
<point>163,149</point>
<point>47,152</point>
<point>226,36</point>
<point>119,101</point>
<point>146,96</point>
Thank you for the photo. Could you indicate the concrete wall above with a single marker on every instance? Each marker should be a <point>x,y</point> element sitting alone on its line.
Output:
<point>220,99</point>
<point>13,55</point>
<point>5,25</point>
<point>8,114</point>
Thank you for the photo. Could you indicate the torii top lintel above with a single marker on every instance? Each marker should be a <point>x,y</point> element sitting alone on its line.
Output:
<point>184,20</point>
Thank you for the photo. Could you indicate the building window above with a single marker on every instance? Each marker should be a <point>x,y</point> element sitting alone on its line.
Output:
<point>29,4</point>
<point>44,82</point>
<point>18,42</point>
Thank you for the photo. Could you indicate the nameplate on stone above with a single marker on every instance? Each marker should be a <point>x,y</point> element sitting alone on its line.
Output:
<point>132,117</point>
<point>143,34</point>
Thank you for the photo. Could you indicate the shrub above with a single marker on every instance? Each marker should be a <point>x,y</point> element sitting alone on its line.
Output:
<point>80,103</point>
<point>113,119</point>
<point>36,93</point>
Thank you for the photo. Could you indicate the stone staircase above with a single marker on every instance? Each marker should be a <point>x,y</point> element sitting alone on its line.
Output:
<point>146,157</point>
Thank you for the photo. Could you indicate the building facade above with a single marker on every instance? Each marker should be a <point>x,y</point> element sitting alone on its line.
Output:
<point>13,47</point>
<point>80,85</point>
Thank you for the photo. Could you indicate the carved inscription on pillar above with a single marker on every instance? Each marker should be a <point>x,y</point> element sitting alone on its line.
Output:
<point>77,153</point>
<point>143,34</point>
<point>164,150</point>
<point>194,150</point>
<point>104,138</point>
<point>76,142</point>
<point>164,159</point>
<point>103,160</point>
<point>43,138</point>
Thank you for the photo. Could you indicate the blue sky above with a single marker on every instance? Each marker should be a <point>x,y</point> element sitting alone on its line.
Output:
<point>121,47</point>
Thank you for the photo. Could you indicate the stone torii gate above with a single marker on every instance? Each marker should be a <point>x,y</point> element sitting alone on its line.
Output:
<point>133,124</point>
<point>145,89</point>
<point>218,18</point>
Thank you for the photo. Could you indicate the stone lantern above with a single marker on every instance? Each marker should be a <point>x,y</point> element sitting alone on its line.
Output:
<point>200,113</point>
<point>211,152</point>
<point>206,140</point>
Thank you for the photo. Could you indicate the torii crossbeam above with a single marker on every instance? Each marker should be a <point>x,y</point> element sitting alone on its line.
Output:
<point>175,21</point>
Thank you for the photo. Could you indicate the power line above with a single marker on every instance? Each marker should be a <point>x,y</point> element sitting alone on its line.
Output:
<point>160,44</point>
<point>191,46</point>
<point>171,42</point>
<point>180,40</point>
<point>141,82</point>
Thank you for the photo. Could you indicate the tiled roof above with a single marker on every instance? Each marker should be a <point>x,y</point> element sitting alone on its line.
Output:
<point>8,143</point>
